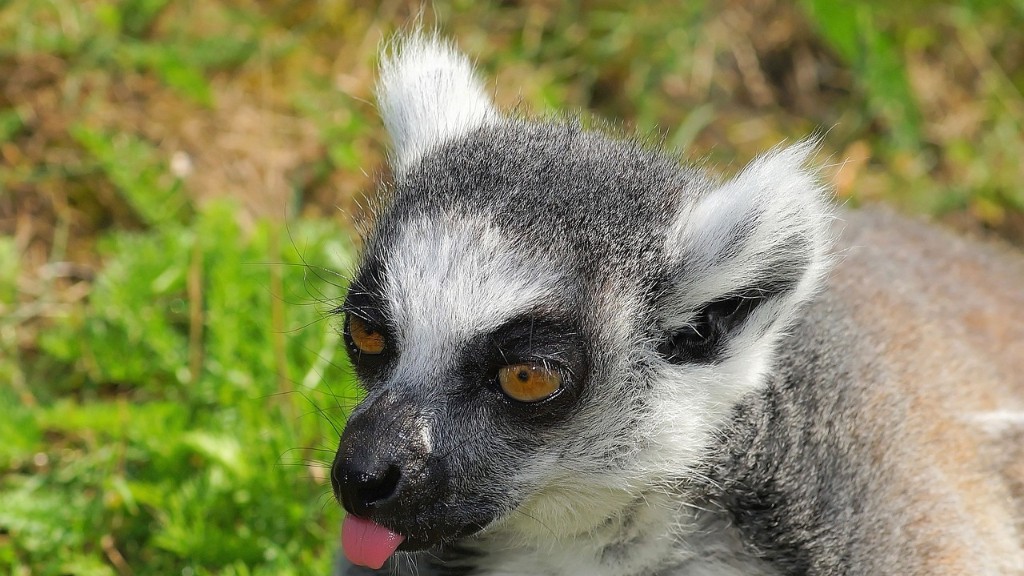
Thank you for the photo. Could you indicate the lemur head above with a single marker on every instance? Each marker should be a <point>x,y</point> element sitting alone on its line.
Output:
<point>551,323</point>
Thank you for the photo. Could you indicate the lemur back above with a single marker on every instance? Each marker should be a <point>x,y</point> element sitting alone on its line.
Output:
<point>890,439</point>
<point>580,357</point>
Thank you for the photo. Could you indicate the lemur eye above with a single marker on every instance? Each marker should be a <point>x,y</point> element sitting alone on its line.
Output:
<point>529,382</point>
<point>365,338</point>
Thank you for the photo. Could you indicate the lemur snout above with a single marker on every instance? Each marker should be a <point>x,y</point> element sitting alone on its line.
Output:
<point>379,456</point>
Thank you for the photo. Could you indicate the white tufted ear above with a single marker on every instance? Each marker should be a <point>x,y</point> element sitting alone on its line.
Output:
<point>765,234</point>
<point>428,94</point>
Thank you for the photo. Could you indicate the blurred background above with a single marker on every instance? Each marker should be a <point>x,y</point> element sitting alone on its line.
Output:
<point>179,182</point>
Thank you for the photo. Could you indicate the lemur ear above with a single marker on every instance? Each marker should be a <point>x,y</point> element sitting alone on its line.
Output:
<point>428,93</point>
<point>744,256</point>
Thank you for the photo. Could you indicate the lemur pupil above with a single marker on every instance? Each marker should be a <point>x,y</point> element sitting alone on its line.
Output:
<point>523,375</point>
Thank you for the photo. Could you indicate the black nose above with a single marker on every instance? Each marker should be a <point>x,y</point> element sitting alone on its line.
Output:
<point>362,486</point>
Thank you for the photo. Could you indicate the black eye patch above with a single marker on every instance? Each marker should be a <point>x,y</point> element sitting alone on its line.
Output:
<point>555,342</point>
<point>537,339</point>
<point>365,301</point>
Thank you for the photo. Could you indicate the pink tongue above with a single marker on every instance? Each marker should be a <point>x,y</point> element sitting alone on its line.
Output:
<point>367,543</point>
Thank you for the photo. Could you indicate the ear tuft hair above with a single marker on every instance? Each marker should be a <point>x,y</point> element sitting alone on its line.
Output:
<point>745,256</point>
<point>428,94</point>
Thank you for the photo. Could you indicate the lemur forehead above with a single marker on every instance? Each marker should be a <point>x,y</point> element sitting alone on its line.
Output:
<point>456,279</point>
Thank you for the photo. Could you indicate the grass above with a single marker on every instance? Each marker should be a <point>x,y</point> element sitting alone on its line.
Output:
<point>179,181</point>
<point>141,440</point>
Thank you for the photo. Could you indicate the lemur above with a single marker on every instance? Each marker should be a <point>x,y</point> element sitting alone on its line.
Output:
<point>583,358</point>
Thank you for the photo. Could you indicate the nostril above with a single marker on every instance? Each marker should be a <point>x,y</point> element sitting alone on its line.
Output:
<point>381,487</point>
<point>361,490</point>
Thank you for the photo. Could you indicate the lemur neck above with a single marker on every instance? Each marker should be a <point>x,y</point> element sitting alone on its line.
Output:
<point>657,534</point>
<point>641,539</point>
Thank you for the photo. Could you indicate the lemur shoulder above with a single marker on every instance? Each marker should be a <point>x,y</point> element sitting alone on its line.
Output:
<point>581,357</point>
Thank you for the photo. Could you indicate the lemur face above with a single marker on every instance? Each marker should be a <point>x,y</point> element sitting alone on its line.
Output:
<point>549,323</point>
<point>499,355</point>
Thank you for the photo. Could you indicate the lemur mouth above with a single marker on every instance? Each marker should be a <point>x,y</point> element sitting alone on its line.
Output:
<point>367,543</point>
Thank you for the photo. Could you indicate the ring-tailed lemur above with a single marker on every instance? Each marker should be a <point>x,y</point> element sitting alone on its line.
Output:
<point>582,358</point>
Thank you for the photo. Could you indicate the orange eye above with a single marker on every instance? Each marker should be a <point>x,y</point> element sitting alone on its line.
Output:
<point>529,382</point>
<point>366,339</point>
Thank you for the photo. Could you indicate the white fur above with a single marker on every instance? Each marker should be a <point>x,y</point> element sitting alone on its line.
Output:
<point>998,421</point>
<point>447,282</point>
<point>428,94</point>
<point>581,555</point>
<point>662,536</point>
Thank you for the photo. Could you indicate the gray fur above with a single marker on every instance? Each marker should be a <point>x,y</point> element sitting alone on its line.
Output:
<point>724,408</point>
